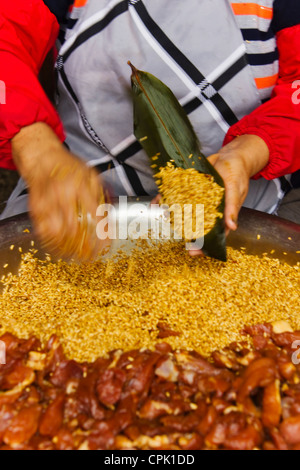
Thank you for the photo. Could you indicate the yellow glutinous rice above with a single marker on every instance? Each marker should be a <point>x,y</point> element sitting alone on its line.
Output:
<point>121,302</point>
<point>193,199</point>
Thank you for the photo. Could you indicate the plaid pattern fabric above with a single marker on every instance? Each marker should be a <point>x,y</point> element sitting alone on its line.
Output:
<point>204,83</point>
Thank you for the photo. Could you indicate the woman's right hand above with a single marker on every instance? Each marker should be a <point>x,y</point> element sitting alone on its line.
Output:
<point>237,162</point>
<point>64,194</point>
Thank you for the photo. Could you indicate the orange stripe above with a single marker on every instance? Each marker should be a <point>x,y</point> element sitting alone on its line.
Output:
<point>252,9</point>
<point>266,82</point>
<point>79,3</point>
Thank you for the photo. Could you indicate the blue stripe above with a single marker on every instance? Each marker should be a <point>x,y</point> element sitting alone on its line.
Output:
<point>71,23</point>
<point>286,14</point>
<point>295,180</point>
<point>256,35</point>
<point>59,8</point>
<point>263,59</point>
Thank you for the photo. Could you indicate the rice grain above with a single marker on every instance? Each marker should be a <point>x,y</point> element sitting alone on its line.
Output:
<point>118,304</point>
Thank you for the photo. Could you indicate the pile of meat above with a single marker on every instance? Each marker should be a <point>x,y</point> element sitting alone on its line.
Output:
<point>244,397</point>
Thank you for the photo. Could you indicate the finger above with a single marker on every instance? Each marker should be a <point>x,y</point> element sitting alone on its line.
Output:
<point>47,221</point>
<point>196,253</point>
<point>232,206</point>
<point>231,194</point>
<point>232,180</point>
<point>57,228</point>
<point>156,200</point>
<point>64,218</point>
<point>91,196</point>
<point>213,158</point>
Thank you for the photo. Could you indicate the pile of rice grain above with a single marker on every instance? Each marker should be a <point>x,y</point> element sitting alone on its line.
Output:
<point>118,303</point>
<point>182,187</point>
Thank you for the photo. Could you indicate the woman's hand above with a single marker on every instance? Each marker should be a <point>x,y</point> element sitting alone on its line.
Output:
<point>237,162</point>
<point>63,193</point>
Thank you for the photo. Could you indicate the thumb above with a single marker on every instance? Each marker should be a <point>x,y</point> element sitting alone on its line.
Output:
<point>213,159</point>
<point>231,196</point>
<point>232,206</point>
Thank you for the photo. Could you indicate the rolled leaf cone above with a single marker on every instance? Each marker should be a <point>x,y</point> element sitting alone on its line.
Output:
<point>162,127</point>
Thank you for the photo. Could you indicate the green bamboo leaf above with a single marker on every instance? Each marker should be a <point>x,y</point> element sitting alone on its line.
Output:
<point>166,134</point>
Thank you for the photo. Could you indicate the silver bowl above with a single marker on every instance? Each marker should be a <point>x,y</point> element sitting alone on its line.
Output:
<point>258,233</point>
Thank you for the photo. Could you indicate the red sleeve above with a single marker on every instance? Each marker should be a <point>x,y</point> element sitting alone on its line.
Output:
<point>28,31</point>
<point>277,121</point>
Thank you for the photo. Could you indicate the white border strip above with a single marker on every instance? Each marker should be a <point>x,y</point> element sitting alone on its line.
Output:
<point>124,180</point>
<point>123,145</point>
<point>236,55</point>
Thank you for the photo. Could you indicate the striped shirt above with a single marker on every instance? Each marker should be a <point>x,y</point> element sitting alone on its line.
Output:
<point>258,21</point>
<point>254,21</point>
